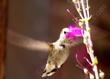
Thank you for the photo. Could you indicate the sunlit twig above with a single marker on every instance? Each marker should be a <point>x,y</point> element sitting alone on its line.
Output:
<point>86,36</point>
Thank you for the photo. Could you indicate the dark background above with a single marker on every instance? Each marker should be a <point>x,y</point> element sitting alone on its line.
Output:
<point>43,20</point>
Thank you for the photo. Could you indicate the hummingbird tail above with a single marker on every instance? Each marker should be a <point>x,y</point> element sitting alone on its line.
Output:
<point>50,73</point>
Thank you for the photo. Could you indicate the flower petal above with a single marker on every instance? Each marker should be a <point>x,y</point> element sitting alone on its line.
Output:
<point>83,58</point>
<point>76,31</point>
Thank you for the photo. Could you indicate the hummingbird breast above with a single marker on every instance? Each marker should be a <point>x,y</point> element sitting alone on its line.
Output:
<point>59,55</point>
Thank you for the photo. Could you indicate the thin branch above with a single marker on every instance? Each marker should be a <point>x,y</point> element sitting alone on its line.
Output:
<point>86,36</point>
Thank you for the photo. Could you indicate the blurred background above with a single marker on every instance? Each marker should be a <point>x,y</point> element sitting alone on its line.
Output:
<point>28,24</point>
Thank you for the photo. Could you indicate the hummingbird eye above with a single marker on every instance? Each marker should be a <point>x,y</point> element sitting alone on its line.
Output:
<point>65,32</point>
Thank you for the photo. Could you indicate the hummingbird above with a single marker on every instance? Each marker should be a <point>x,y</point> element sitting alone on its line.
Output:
<point>59,52</point>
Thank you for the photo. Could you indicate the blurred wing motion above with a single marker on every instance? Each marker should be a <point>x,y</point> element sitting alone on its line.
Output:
<point>26,42</point>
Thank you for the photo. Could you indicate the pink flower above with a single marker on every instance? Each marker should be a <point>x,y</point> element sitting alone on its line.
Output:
<point>74,32</point>
<point>83,58</point>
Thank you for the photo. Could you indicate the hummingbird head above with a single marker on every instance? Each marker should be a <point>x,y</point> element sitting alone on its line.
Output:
<point>63,33</point>
<point>63,37</point>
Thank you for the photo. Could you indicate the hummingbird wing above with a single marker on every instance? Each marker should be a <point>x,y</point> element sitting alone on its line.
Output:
<point>55,60</point>
<point>20,40</point>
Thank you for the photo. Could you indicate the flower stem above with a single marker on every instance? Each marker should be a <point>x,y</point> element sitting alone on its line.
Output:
<point>82,5</point>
